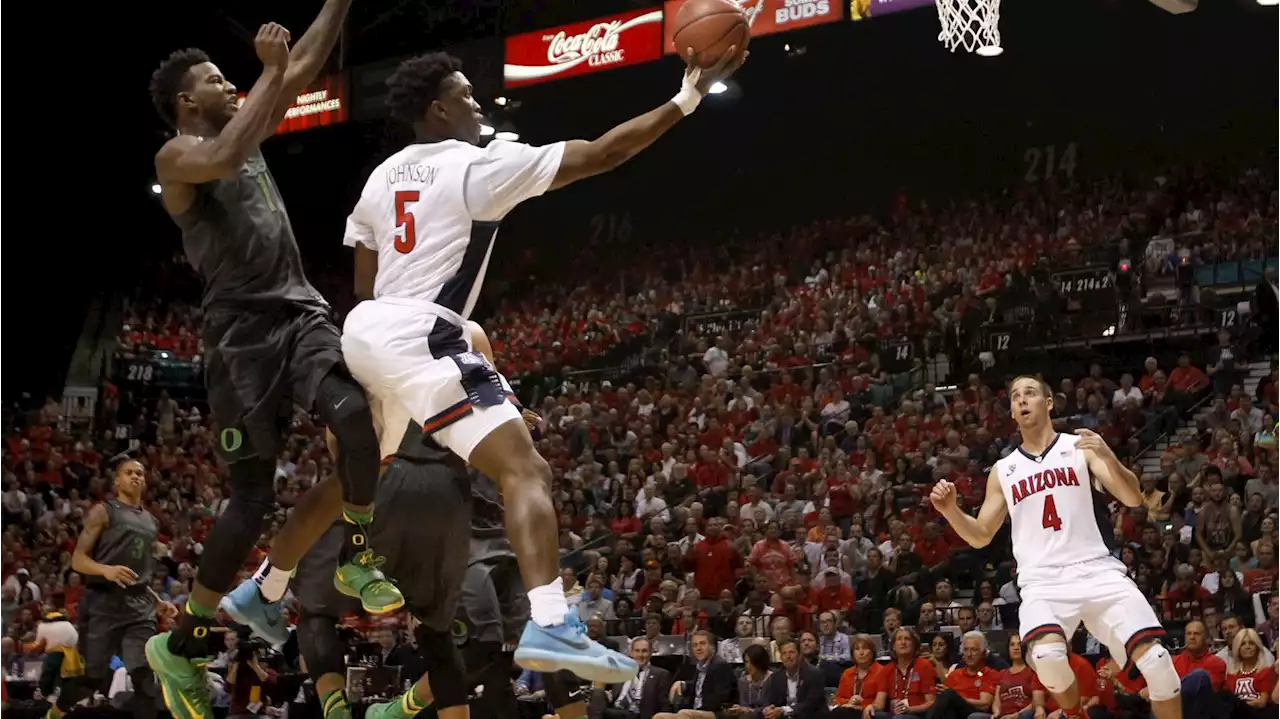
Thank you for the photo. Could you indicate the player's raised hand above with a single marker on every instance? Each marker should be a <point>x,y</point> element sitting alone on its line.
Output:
<point>272,45</point>
<point>1092,442</point>
<point>943,495</point>
<point>703,78</point>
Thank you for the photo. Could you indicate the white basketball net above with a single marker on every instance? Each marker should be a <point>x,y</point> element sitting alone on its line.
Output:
<point>971,24</point>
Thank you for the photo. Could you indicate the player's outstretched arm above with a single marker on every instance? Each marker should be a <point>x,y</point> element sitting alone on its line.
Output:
<point>977,531</point>
<point>587,158</point>
<point>1103,464</point>
<point>308,57</point>
<point>187,160</point>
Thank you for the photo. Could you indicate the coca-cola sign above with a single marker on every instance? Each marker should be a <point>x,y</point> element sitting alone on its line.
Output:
<point>767,17</point>
<point>618,40</point>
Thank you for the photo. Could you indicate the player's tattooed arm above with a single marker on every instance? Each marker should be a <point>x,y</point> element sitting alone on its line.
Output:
<point>188,160</point>
<point>1107,468</point>
<point>976,531</point>
<point>308,57</point>
<point>81,562</point>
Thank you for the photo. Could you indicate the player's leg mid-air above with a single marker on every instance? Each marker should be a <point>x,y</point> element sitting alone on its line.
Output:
<point>420,275</point>
<point>217,188</point>
<point>1054,489</point>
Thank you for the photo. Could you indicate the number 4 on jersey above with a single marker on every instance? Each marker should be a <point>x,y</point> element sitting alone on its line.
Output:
<point>1051,518</point>
<point>406,230</point>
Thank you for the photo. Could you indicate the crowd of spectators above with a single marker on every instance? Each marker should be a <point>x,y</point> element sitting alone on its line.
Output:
<point>756,494</point>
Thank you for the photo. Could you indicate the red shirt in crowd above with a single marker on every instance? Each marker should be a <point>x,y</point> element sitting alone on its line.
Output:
<point>1258,580</point>
<point>839,598</point>
<point>714,563</point>
<point>1259,682</point>
<point>866,686</point>
<point>1186,662</point>
<point>1183,605</point>
<point>913,685</point>
<point>1014,689</point>
<point>973,683</point>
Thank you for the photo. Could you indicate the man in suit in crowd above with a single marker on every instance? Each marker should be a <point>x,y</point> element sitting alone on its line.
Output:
<point>639,698</point>
<point>797,690</point>
<point>704,687</point>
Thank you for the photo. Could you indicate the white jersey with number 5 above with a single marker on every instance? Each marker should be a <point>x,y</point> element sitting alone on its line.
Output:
<point>431,212</point>
<point>1058,517</point>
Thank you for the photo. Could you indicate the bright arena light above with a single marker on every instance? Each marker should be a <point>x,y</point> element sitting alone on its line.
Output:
<point>485,130</point>
<point>156,188</point>
<point>500,101</point>
<point>1269,3</point>
<point>718,88</point>
<point>507,135</point>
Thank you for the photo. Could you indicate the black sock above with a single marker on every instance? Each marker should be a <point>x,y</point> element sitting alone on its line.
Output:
<point>355,535</point>
<point>190,638</point>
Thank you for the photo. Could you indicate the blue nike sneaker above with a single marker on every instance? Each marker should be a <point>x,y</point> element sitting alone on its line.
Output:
<point>567,647</point>
<point>246,606</point>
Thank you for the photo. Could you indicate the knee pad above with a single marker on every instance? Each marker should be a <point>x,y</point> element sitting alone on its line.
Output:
<point>444,668</point>
<point>1052,667</point>
<point>1162,678</point>
<point>345,408</point>
<point>320,645</point>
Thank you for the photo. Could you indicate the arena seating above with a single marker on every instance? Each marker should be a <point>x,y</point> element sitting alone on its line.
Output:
<point>821,379</point>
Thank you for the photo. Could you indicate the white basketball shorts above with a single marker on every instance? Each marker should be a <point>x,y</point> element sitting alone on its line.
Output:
<point>419,355</point>
<point>1097,593</point>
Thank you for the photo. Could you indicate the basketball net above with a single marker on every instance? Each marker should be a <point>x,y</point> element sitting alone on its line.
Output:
<point>970,24</point>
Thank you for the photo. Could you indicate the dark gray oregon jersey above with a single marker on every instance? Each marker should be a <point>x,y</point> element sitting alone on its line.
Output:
<point>127,541</point>
<point>237,235</point>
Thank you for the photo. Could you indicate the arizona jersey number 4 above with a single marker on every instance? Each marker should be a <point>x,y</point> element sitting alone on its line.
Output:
<point>406,229</point>
<point>1051,518</point>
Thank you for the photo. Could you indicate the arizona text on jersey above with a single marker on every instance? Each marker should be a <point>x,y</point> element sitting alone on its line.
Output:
<point>1058,516</point>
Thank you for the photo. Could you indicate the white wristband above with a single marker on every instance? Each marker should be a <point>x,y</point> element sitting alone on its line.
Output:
<point>687,100</point>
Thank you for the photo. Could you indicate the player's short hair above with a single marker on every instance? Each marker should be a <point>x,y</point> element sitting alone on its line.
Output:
<point>416,84</point>
<point>1044,386</point>
<point>115,471</point>
<point>171,78</point>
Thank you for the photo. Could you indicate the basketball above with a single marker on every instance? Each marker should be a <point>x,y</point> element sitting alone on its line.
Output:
<point>710,28</point>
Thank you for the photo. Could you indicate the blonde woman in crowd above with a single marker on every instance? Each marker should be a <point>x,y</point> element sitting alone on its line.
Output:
<point>1251,677</point>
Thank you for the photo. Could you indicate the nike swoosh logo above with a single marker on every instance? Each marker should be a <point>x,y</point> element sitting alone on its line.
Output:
<point>581,644</point>
<point>339,404</point>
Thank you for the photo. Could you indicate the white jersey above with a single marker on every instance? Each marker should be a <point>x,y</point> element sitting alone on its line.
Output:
<point>1058,517</point>
<point>431,212</point>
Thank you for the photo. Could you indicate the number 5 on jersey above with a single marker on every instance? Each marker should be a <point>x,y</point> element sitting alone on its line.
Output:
<point>406,229</point>
<point>1051,518</point>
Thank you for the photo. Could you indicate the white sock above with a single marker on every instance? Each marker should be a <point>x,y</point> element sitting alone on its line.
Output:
<point>547,605</point>
<point>272,581</point>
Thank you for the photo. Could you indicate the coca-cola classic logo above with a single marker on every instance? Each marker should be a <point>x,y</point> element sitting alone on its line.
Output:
<point>570,53</point>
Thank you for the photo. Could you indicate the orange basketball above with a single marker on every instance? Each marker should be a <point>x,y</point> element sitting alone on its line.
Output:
<point>710,28</point>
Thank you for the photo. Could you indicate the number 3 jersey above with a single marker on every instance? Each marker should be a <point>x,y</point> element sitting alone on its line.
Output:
<point>431,212</point>
<point>127,540</point>
<point>1058,517</point>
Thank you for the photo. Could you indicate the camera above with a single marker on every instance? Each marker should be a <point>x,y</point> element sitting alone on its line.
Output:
<point>249,647</point>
